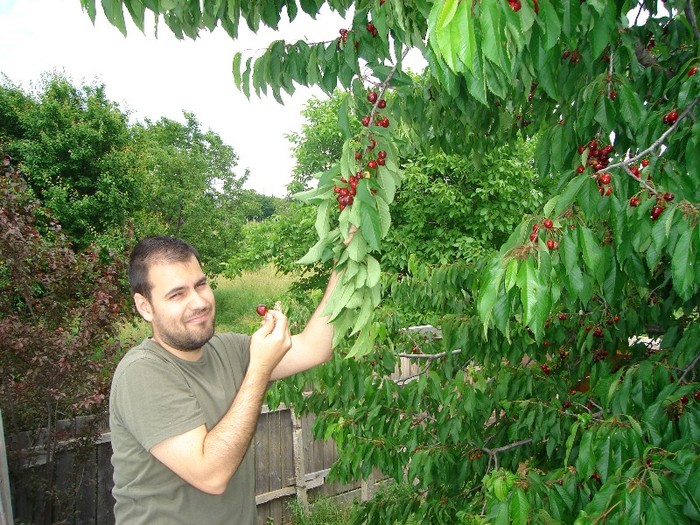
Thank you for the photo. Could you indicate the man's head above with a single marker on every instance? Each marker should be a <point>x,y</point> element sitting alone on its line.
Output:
<point>152,250</point>
<point>172,293</point>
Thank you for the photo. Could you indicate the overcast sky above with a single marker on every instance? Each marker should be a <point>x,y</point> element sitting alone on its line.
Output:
<point>153,78</point>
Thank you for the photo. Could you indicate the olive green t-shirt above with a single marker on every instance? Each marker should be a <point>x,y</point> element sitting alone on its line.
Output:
<point>156,395</point>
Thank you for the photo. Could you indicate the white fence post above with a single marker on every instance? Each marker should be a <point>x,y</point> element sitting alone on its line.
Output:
<point>5,496</point>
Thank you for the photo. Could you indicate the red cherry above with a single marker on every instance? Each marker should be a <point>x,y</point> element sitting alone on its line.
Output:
<point>670,117</point>
<point>645,163</point>
<point>608,191</point>
<point>372,97</point>
<point>533,236</point>
<point>655,212</point>
<point>668,196</point>
<point>545,369</point>
<point>381,154</point>
<point>692,71</point>
<point>684,400</point>
<point>581,149</point>
<point>548,223</point>
<point>370,27</point>
<point>365,120</point>
<point>515,5</point>
<point>372,144</point>
<point>372,164</point>
<point>605,178</point>
<point>613,94</point>
<point>562,317</point>
<point>580,169</point>
<point>358,155</point>
<point>551,244</point>
<point>381,104</point>
<point>261,310</point>
<point>381,161</point>
<point>384,122</point>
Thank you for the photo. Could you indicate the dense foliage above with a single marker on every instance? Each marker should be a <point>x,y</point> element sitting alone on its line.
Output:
<point>60,312</point>
<point>537,402</point>
<point>98,173</point>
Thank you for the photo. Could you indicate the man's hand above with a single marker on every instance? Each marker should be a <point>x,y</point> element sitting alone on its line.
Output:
<point>270,342</point>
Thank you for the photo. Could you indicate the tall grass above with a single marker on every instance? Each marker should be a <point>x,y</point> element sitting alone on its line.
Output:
<point>236,300</point>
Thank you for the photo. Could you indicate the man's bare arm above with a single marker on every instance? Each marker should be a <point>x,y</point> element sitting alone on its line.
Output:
<point>208,459</point>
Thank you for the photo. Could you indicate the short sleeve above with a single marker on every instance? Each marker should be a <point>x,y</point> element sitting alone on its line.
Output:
<point>152,400</point>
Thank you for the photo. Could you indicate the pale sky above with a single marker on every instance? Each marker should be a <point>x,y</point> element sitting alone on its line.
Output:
<point>153,78</point>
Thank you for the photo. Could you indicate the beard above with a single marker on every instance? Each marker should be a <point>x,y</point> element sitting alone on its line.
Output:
<point>187,339</point>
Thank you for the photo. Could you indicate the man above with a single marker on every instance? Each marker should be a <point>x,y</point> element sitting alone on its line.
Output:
<point>185,402</point>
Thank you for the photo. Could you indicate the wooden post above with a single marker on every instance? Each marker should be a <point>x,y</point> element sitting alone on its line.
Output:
<point>5,495</point>
<point>367,488</point>
<point>298,452</point>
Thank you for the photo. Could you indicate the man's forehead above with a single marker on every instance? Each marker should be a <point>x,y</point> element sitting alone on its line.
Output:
<point>163,272</point>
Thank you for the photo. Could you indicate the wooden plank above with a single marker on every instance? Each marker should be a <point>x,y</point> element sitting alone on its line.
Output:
<point>275,464</point>
<point>261,443</point>
<point>104,513</point>
<point>287,457</point>
<point>5,494</point>
<point>299,453</point>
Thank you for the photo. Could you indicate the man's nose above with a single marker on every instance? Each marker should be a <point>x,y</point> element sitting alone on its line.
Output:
<point>197,300</point>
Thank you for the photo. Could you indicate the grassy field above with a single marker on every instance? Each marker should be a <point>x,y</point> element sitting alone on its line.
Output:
<point>236,300</point>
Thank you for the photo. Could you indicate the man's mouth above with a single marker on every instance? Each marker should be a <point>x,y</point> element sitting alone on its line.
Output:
<point>199,317</point>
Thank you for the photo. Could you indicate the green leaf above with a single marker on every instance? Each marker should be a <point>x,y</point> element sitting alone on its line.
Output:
<point>452,33</point>
<point>533,296</point>
<point>569,194</point>
<point>511,274</point>
<point>115,14</point>
<point>682,269</point>
<point>491,21</point>
<point>519,508</point>
<point>489,291</point>
<point>552,23</point>
<point>373,272</point>
<point>343,120</point>
<point>369,220</point>
<point>631,108</point>
<point>592,253</point>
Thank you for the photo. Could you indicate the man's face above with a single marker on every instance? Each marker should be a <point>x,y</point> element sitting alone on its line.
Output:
<point>181,309</point>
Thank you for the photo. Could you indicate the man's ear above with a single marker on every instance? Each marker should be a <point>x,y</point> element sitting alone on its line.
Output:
<point>143,306</point>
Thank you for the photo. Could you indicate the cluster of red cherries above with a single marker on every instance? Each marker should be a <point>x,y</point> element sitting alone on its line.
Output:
<point>379,120</point>
<point>548,224</point>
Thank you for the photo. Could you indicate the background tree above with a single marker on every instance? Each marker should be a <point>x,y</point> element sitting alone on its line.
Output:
<point>191,189</point>
<point>538,403</point>
<point>72,142</point>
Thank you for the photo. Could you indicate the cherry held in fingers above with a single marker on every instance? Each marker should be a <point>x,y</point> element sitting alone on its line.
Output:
<point>261,310</point>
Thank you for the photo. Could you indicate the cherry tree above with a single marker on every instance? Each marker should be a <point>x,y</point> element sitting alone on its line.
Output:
<point>562,387</point>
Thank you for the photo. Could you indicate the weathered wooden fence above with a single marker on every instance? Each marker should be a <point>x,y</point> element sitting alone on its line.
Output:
<point>290,464</point>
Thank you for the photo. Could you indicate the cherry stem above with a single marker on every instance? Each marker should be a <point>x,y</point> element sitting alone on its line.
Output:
<point>384,85</point>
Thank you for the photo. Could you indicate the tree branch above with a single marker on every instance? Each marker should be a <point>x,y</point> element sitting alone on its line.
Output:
<point>656,145</point>
<point>690,367</point>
